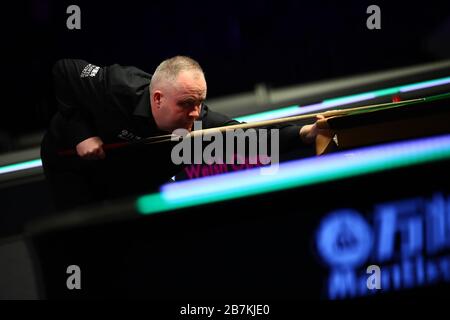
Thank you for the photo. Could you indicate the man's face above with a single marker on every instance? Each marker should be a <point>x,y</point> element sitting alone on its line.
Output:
<point>177,105</point>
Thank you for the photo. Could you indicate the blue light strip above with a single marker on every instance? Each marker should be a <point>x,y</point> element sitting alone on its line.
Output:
<point>329,103</point>
<point>326,104</point>
<point>424,85</point>
<point>299,172</point>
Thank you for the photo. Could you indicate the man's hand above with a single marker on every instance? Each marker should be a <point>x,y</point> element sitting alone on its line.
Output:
<point>91,149</point>
<point>309,132</point>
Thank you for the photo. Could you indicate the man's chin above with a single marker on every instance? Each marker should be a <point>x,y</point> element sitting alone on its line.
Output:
<point>183,127</point>
<point>189,127</point>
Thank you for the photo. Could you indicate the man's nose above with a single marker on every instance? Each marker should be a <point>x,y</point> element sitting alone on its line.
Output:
<point>195,112</point>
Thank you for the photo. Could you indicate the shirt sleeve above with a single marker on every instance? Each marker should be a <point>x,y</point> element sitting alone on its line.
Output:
<point>79,87</point>
<point>289,134</point>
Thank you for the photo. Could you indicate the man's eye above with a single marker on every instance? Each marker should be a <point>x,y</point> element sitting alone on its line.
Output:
<point>187,104</point>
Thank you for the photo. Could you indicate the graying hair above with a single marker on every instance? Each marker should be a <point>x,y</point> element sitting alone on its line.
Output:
<point>170,68</point>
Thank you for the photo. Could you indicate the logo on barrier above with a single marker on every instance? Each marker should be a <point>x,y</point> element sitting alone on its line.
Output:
<point>344,239</point>
<point>399,245</point>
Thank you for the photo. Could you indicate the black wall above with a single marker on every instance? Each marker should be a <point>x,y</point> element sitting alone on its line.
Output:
<point>239,43</point>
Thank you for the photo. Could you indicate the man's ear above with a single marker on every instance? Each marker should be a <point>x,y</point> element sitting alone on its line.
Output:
<point>156,98</point>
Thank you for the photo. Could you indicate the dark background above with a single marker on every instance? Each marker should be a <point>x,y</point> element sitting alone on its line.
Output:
<point>238,43</point>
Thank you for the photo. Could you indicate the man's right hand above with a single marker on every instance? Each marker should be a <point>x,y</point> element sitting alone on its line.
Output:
<point>91,149</point>
<point>309,132</point>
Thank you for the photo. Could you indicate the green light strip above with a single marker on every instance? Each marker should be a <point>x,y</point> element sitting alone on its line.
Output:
<point>272,114</point>
<point>299,173</point>
<point>21,166</point>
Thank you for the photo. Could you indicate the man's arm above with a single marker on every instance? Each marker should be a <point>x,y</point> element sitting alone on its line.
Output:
<point>291,136</point>
<point>79,86</point>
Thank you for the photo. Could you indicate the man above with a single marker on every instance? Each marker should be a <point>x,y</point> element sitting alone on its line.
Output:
<point>106,105</point>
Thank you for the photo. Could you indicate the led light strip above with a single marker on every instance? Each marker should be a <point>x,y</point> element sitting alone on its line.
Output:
<point>21,166</point>
<point>329,103</point>
<point>296,174</point>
